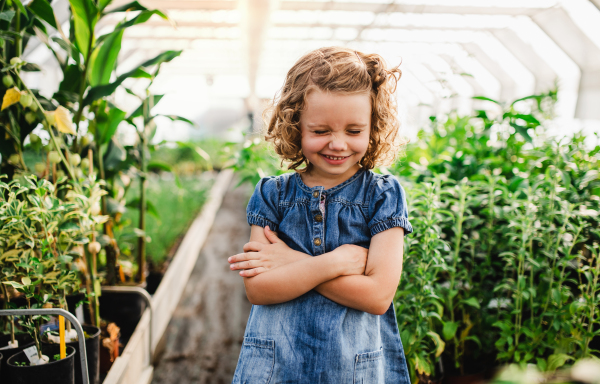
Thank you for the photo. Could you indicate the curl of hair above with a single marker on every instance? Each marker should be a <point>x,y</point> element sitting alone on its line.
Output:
<point>342,70</point>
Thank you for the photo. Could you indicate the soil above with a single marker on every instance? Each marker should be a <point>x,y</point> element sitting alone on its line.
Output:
<point>203,340</point>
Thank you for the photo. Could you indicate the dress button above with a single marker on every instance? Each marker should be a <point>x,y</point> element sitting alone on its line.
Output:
<point>316,194</point>
<point>317,241</point>
<point>319,218</point>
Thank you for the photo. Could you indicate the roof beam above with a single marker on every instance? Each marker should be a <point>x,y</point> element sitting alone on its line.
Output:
<point>405,8</point>
<point>561,28</point>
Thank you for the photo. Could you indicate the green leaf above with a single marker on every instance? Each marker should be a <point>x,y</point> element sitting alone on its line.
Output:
<point>139,19</point>
<point>138,111</point>
<point>44,11</point>
<point>449,330</point>
<point>472,301</point>
<point>522,131</point>
<point>439,344</point>
<point>485,98</point>
<point>104,90</point>
<point>7,15</point>
<point>557,360</point>
<point>104,59</point>
<point>107,124</point>
<point>132,6</point>
<point>85,15</point>
<point>178,118</point>
<point>114,155</point>
<point>159,165</point>
<point>22,8</point>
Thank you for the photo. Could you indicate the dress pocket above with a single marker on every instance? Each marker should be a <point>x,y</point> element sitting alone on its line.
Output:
<point>368,367</point>
<point>255,365</point>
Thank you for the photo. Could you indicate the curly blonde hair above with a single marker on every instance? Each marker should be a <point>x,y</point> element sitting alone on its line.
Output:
<point>342,70</point>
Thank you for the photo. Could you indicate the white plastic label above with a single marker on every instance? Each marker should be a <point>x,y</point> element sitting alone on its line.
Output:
<point>31,353</point>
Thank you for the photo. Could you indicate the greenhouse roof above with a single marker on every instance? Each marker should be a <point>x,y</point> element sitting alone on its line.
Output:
<point>450,50</point>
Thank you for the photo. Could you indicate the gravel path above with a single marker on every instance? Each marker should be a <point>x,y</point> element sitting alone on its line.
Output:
<point>204,337</point>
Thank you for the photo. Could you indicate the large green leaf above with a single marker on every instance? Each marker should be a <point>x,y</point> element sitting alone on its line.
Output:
<point>104,59</point>
<point>85,15</point>
<point>107,124</point>
<point>138,111</point>
<point>115,154</point>
<point>139,19</point>
<point>22,8</point>
<point>104,90</point>
<point>522,131</point>
<point>44,11</point>
<point>132,6</point>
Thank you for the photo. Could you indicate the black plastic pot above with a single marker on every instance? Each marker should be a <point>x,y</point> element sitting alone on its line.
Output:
<point>153,280</point>
<point>92,350</point>
<point>124,309</point>
<point>54,372</point>
<point>24,342</point>
<point>1,365</point>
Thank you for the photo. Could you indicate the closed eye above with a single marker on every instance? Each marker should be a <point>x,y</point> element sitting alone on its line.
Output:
<point>321,132</point>
<point>354,132</point>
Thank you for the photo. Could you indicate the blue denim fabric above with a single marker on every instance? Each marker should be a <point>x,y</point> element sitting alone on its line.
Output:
<point>312,339</point>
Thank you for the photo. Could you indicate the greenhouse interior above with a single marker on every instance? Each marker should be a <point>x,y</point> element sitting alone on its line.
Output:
<point>441,157</point>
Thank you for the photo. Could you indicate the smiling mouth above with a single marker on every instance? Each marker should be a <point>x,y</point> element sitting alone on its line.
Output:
<point>335,157</point>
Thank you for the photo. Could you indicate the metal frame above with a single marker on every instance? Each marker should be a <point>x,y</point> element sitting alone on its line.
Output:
<point>68,316</point>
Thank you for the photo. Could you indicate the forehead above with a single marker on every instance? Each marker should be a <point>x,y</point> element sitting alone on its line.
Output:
<point>333,108</point>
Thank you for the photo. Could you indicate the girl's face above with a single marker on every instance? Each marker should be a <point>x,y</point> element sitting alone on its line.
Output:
<point>335,133</point>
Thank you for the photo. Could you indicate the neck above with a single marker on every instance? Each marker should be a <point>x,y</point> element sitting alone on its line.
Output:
<point>314,177</point>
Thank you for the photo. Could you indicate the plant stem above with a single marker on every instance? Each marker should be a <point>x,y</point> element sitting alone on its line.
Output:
<point>82,88</point>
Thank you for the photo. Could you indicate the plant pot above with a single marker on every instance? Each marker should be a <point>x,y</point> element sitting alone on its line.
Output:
<point>1,365</point>
<point>153,280</point>
<point>24,342</point>
<point>430,380</point>
<point>53,372</point>
<point>476,378</point>
<point>92,351</point>
<point>124,309</point>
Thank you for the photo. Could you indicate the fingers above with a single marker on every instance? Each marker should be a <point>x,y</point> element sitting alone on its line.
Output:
<point>252,272</point>
<point>244,265</point>
<point>271,236</point>
<point>253,246</point>
<point>237,258</point>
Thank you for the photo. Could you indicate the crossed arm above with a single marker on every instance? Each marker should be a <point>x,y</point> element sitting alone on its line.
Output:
<point>349,275</point>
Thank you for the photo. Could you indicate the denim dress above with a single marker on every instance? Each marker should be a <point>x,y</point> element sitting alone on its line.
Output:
<point>312,339</point>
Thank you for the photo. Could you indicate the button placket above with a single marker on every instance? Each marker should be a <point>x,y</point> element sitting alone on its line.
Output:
<point>318,230</point>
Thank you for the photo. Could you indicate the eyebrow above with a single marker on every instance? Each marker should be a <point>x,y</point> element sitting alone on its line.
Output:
<point>325,125</point>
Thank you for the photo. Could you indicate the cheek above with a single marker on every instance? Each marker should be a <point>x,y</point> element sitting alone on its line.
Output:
<point>313,144</point>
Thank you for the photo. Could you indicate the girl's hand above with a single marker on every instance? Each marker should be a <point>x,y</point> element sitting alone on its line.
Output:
<point>260,257</point>
<point>353,258</point>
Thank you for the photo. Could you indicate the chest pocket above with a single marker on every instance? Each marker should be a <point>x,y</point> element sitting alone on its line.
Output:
<point>368,368</point>
<point>256,362</point>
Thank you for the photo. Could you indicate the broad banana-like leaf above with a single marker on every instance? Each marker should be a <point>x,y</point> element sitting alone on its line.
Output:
<point>107,123</point>
<point>132,6</point>
<point>139,19</point>
<point>44,11</point>
<point>85,15</point>
<point>22,8</point>
<point>100,91</point>
<point>138,111</point>
<point>104,59</point>
<point>12,96</point>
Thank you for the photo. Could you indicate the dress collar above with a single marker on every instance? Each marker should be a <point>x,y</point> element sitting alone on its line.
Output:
<point>306,188</point>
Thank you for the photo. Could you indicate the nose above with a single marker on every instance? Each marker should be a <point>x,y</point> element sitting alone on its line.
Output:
<point>337,144</point>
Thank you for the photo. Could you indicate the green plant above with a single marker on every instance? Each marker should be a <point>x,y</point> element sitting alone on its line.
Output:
<point>419,307</point>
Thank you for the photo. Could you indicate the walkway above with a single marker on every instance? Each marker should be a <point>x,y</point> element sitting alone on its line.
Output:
<point>204,337</point>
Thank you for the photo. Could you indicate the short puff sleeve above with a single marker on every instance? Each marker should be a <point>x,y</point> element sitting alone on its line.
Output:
<point>387,208</point>
<point>262,208</point>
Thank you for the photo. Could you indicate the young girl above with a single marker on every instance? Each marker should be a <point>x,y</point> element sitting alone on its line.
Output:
<point>325,252</point>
